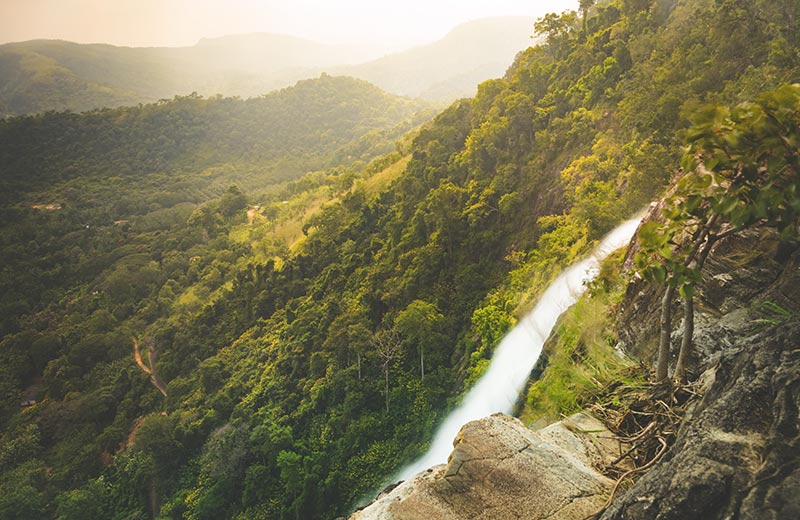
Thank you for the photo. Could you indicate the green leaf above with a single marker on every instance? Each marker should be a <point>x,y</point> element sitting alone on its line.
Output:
<point>687,291</point>
<point>726,206</point>
<point>651,235</point>
<point>711,164</point>
<point>659,273</point>
<point>692,203</point>
<point>688,163</point>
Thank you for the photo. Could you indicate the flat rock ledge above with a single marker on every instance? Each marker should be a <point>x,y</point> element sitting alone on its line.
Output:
<point>499,470</point>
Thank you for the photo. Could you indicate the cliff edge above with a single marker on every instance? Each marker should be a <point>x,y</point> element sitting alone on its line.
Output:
<point>734,456</point>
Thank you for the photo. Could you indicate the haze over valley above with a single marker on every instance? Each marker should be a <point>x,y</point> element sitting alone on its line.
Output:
<point>46,74</point>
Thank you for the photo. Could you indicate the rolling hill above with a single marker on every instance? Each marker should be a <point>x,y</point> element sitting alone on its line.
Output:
<point>42,75</point>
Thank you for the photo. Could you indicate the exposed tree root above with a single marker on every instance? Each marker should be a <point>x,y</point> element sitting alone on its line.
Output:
<point>644,420</point>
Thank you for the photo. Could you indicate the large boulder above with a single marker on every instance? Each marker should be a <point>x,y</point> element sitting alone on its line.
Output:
<point>499,469</point>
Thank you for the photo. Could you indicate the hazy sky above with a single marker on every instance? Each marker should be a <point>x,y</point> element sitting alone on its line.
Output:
<point>394,23</point>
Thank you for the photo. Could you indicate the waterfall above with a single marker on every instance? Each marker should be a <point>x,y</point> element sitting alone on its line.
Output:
<point>517,353</point>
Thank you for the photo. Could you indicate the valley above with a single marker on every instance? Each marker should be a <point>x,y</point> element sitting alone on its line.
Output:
<point>216,307</point>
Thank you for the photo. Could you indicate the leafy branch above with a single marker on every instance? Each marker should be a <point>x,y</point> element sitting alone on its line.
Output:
<point>741,170</point>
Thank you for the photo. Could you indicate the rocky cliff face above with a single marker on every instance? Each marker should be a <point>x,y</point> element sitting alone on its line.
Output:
<point>736,454</point>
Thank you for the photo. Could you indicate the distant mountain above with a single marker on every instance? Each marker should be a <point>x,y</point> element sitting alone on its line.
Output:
<point>453,66</point>
<point>41,75</point>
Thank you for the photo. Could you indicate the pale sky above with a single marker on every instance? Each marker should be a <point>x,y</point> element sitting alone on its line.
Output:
<point>391,24</point>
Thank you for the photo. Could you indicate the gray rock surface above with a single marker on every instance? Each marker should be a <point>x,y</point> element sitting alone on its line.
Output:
<point>737,454</point>
<point>742,272</point>
<point>499,469</point>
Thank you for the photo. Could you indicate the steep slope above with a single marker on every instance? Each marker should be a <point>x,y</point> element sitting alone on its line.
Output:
<point>453,66</point>
<point>736,454</point>
<point>82,193</point>
<point>295,387</point>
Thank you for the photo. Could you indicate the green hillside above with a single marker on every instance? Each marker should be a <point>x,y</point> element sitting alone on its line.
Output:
<point>293,372</point>
<point>67,179</point>
<point>292,130</point>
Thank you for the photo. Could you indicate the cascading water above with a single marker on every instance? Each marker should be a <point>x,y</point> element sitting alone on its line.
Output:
<point>515,357</point>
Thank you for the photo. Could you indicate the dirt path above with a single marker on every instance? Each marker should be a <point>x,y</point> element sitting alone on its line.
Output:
<point>138,357</point>
<point>151,359</point>
<point>128,442</point>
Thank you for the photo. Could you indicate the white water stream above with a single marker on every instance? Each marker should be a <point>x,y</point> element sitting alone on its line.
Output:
<point>516,355</point>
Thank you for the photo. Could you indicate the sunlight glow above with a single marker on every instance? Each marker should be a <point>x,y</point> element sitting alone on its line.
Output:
<point>391,25</point>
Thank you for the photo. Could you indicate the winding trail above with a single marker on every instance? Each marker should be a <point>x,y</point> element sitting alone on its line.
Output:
<point>151,359</point>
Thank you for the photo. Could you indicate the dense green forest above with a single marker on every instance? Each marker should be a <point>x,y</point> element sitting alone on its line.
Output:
<point>122,179</point>
<point>290,339</point>
<point>305,127</point>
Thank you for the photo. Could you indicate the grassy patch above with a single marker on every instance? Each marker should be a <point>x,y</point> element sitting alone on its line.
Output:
<point>580,357</point>
<point>381,180</point>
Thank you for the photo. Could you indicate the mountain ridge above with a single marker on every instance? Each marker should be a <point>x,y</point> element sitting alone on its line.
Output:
<point>40,75</point>
<point>460,52</point>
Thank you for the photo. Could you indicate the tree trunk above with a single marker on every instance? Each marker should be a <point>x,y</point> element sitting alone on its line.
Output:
<point>421,363</point>
<point>662,367</point>
<point>688,317</point>
<point>666,332</point>
<point>386,373</point>
<point>686,342</point>
<point>155,503</point>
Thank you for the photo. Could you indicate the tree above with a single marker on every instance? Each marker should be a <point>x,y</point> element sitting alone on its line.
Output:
<point>418,322</point>
<point>743,169</point>
<point>556,29</point>
<point>585,5</point>
<point>388,344</point>
<point>232,201</point>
